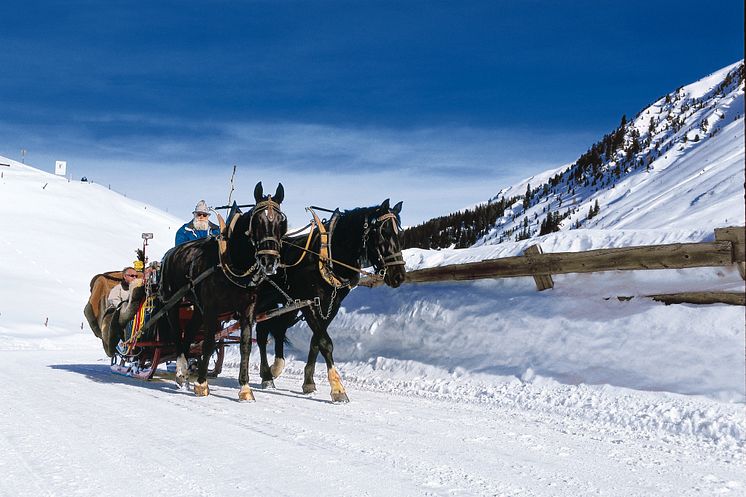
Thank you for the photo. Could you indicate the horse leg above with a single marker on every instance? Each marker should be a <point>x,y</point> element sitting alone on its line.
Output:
<point>243,374</point>
<point>262,334</point>
<point>338,393</point>
<point>279,329</point>
<point>278,334</point>
<point>201,389</point>
<point>182,366</point>
<point>309,386</point>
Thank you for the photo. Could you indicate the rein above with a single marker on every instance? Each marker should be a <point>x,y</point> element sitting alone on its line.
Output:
<point>353,268</point>
<point>304,249</point>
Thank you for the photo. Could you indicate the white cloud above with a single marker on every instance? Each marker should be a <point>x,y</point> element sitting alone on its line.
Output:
<point>172,165</point>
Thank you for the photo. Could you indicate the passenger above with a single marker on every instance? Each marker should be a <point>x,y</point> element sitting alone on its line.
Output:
<point>199,227</point>
<point>121,292</point>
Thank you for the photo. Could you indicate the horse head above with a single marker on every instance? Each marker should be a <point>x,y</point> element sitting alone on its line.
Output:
<point>267,226</point>
<point>382,241</point>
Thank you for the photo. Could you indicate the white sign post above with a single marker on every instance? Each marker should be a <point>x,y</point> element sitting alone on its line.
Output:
<point>60,167</point>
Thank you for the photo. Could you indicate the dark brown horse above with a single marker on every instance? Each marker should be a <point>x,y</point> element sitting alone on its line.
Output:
<point>222,277</point>
<point>359,238</point>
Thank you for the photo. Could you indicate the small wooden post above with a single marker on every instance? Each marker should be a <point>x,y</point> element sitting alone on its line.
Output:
<point>543,281</point>
<point>737,236</point>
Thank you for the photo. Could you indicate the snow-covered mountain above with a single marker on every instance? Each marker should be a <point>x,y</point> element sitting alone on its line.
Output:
<point>683,154</point>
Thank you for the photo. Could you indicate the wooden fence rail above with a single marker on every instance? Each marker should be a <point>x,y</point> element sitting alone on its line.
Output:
<point>673,256</point>
<point>729,248</point>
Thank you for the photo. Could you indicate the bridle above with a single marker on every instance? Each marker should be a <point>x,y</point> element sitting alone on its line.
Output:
<point>252,276</point>
<point>382,263</point>
<point>272,209</point>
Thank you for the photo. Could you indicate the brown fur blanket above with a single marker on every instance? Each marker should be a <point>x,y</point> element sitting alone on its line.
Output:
<point>107,324</point>
<point>101,285</point>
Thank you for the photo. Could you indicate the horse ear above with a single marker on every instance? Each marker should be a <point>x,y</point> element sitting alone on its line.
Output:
<point>397,208</point>
<point>258,192</point>
<point>279,194</point>
<point>385,205</point>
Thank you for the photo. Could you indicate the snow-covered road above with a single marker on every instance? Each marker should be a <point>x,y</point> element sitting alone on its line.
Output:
<point>68,427</point>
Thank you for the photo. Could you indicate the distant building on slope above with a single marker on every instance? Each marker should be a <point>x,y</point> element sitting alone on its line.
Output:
<point>60,167</point>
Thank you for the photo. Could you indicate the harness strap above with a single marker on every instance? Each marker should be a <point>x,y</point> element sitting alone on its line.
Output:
<point>340,263</point>
<point>394,260</point>
<point>304,251</point>
<point>325,253</point>
<point>224,235</point>
<point>176,297</point>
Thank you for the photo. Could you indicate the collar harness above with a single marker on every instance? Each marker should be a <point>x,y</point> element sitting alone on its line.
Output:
<point>326,261</point>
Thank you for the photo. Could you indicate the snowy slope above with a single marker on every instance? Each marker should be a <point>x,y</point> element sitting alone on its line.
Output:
<point>57,234</point>
<point>684,155</point>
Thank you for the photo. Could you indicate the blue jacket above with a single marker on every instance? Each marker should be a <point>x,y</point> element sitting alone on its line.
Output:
<point>187,233</point>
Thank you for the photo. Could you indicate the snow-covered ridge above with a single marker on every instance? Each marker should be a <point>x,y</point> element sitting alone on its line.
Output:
<point>684,154</point>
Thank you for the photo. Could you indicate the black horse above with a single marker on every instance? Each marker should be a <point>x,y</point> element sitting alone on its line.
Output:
<point>223,275</point>
<point>359,238</point>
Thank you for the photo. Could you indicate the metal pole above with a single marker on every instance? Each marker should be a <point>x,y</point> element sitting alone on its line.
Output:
<point>230,194</point>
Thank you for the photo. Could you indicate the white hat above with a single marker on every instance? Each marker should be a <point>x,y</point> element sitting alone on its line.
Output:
<point>202,208</point>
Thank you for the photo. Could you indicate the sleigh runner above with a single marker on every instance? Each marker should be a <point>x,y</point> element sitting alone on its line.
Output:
<point>143,348</point>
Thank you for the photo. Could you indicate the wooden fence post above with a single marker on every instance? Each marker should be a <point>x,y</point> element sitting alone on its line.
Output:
<point>543,281</point>
<point>737,236</point>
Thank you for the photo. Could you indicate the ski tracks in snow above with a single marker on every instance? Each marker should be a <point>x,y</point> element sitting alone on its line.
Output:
<point>72,428</point>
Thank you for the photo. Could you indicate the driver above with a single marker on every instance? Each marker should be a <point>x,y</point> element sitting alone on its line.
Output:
<point>199,227</point>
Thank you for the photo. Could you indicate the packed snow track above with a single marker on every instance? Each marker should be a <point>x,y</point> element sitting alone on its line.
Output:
<point>71,428</point>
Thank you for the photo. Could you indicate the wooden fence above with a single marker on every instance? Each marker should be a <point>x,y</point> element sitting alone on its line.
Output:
<point>728,248</point>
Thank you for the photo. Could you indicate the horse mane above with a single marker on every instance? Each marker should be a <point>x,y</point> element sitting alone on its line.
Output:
<point>238,240</point>
<point>350,222</point>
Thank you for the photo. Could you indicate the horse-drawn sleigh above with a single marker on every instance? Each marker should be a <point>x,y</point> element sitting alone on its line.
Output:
<point>203,296</point>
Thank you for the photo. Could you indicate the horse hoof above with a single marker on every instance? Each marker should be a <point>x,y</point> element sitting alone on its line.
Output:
<point>201,389</point>
<point>278,366</point>
<point>340,398</point>
<point>309,387</point>
<point>268,384</point>
<point>245,394</point>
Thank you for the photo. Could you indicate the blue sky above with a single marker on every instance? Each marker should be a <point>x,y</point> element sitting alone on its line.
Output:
<point>439,104</point>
